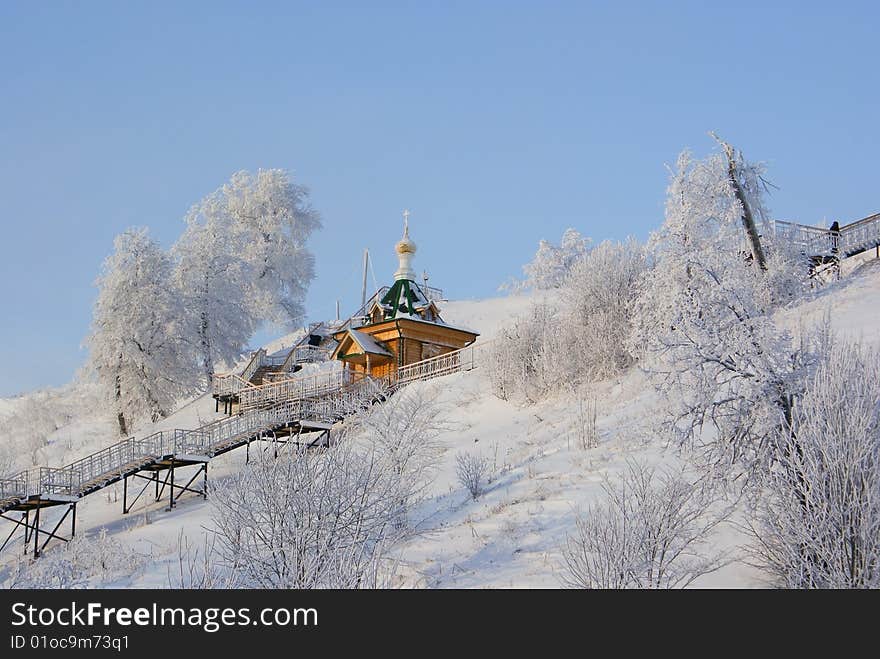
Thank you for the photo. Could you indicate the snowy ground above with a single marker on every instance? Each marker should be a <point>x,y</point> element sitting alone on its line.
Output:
<point>510,536</point>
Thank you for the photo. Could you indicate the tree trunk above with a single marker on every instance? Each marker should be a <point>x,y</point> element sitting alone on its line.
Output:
<point>205,342</point>
<point>120,415</point>
<point>747,219</point>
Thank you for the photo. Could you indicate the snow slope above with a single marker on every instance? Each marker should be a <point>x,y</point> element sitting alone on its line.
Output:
<point>511,536</point>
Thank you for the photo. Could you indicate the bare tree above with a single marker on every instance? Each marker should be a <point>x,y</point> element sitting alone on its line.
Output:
<point>199,568</point>
<point>308,520</point>
<point>818,523</point>
<point>472,470</point>
<point>650,532</point>
<point>403,433</point>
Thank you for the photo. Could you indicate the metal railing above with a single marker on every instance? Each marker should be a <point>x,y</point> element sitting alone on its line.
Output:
<point>816,241</point>
<point>228,384</point>
<point>309,354</point>
<point>813,241</point>
<point>107,464</point>
<point>465,359</point>
<point>861,235</point>
<point>15,487</point>
<point>273,393</point>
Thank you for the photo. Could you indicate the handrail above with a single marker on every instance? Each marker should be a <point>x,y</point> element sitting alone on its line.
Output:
<point>227,384</point>
<point>253,364</point>
<point>865,220</point>
<point>818,241</point>
<point>302,387</point>
<point>14,487</point>
<point>464,359</point>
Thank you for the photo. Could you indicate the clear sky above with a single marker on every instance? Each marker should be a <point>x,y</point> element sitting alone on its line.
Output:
<point>496,123</point>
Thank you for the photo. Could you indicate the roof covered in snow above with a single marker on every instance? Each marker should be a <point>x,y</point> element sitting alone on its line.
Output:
<point>368,344</point>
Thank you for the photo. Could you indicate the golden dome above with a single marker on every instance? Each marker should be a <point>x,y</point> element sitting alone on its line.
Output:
<point>405,249</point>
<point>405,246</point>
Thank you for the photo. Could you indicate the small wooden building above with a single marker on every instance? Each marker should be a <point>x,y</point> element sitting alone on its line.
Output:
<point>400,328</point>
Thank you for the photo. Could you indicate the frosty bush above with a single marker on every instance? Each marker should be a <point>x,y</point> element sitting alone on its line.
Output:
<point>403,432</point>
<point>472,470</point>
<point>585,408</point>
<point>551,265</point>
<point>582,337</point>
<point>308,520</point>
<point>818,522</point>
<point>84,562</point>
<point>598,297</point>
<point>650,532</point>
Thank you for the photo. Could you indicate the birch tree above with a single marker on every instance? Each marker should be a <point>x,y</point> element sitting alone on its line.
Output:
<point>243,261</point>
<point>213,278</point>
<point>139,345</point>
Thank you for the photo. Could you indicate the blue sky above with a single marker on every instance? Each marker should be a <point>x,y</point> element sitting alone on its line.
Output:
<point>496,123</point>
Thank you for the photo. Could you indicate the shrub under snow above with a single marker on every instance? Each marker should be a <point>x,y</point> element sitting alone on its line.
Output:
<point>818,521</point>
<point>579,335</point>
<point>651,531</point>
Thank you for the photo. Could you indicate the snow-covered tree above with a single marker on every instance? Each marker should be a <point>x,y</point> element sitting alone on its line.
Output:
<point>8,460</point>
<point>308,520</point>
<point>214,280</point>
<point>403,433</point>
<point>818,519</point>
<point>274,219</point>
<point>242,260</point>
<point>652,530</point>
<point>551,263</point>
<point>527,361</point>
<point>139,345</point>
<point>701,321</point>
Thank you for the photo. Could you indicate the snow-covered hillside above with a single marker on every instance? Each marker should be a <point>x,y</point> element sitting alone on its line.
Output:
<point>511,536</point>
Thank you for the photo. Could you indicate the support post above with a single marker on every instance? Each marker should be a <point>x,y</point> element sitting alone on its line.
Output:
<point>205,484</point>
<point>52,534</point>
<point>37,532</point>
<point>125,495</point>
<point>171,492</point>
<point>11,533</point>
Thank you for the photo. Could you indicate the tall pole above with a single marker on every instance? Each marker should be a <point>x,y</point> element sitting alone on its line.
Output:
<point>364,287</point>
